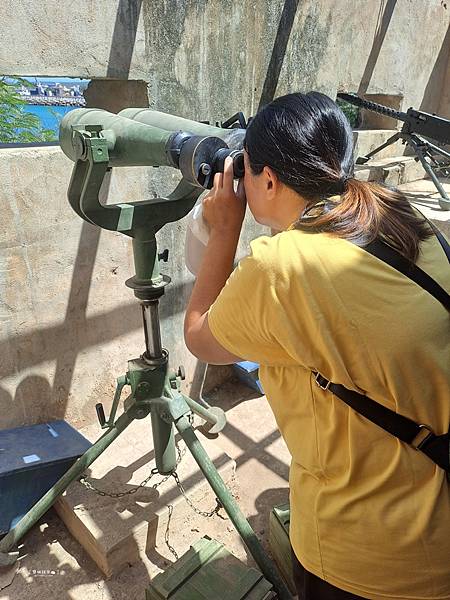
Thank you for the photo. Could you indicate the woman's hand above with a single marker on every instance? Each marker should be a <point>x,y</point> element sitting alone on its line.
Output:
<point>223,208</point>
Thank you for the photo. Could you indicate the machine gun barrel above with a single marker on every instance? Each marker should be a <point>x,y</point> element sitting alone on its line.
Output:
<point>416,121</point>
<point>373,106</point>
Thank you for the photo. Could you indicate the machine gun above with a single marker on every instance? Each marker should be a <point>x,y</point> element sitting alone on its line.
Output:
<point>417,131</point>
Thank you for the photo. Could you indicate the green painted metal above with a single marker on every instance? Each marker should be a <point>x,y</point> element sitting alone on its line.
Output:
<point>207,571</point>
<point>279,542</point>
<point>213,415</point>
<point>130,144</point>
<point>241,524</point>
<point>146,261</point>
<point>233,137</point>
<point>141,220</point>
<point>121,383</point>
<point>97,140</point>
<point>163,442</point>
<point>170,122</point>
<point>201,410</point>
<point>151,392</point>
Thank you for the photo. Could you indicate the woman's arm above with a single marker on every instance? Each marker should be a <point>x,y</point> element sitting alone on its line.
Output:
<point>224,211</point>
<point>216,267</point>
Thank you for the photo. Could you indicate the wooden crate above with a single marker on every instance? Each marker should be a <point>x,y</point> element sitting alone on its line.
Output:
<point>280,544</point>
<point>208,572</point>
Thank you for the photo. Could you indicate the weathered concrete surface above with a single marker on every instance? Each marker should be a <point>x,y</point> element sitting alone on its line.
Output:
<point>366,140</point>
<point>424,195</point>
<point>115,94</point>
<point>392,171</point>
<point>93,38</point>
<point>444,95</point>
<point>68,324</point>
<point>207,59</point>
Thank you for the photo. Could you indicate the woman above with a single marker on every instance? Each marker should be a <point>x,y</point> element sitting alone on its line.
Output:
<point>370,516</point>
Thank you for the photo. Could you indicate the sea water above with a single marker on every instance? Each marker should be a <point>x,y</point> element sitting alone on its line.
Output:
<point>50,116</point>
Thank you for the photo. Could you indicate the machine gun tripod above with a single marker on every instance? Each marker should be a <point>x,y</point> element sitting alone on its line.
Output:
<point>417,127</point>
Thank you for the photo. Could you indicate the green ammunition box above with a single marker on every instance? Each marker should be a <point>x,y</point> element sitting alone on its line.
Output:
<point>209,572</point>
<point>280,545</point>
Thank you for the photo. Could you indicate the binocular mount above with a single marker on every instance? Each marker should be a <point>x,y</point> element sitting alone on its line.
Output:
<point>97,141</point>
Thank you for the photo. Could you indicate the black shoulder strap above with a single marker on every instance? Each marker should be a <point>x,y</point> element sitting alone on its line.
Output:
<point>400,263</point>
<point>445,245</point>
<point>436,447</point>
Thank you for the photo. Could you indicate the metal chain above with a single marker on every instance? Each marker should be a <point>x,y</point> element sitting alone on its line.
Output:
<point>166,534</point>
<point>88,485</point>
<point>174,474</point>
<point>202,513</point>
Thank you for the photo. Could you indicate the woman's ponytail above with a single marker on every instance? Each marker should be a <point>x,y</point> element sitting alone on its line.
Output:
<point>365,211</point>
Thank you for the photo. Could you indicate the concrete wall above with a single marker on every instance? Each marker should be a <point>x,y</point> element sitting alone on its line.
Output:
<point>68,324</point>
<point>211,57</point>
<point>444,96</point>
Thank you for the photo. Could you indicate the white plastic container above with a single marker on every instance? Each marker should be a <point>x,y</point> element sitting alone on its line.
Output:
<point>197,235</point>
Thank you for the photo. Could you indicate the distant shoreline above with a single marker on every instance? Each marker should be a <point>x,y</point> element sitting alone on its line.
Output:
<point>54,101</point>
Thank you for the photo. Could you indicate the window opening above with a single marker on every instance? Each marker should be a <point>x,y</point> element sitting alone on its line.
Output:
<point>31,108</point>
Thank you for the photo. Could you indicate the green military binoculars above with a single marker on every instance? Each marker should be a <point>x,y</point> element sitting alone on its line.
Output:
<point>143,137</point>
<point>97,140</point>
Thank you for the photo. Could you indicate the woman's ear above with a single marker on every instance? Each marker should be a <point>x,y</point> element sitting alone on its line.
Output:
<point>271,180</point>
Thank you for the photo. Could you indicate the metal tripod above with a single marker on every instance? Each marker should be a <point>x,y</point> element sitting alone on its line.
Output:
<point>423,150</point>
<point>155,390</point>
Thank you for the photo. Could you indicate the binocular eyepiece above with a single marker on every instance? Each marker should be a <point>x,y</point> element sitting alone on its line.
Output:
<point>238,162</point>
<point>200,158</point>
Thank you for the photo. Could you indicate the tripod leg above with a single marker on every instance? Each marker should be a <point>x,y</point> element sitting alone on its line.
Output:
<point>432,151</point>
<point>232,509</point>
<point>437,150</point>
<point>361,160</point>
<point>444,201</point>
<point>42,505</point>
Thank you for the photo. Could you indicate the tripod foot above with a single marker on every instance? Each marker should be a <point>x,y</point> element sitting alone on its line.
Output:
<point>8,558</point>
<point>444,203</point>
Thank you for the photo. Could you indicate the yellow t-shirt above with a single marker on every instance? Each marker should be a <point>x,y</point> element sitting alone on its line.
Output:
<point>369,514</point>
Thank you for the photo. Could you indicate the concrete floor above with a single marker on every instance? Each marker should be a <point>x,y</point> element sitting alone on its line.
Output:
<point>54,565</point>
<point>424,196</point>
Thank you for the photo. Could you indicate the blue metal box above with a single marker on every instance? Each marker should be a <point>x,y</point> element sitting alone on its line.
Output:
<point>248,372</point>
<point>32,459</point>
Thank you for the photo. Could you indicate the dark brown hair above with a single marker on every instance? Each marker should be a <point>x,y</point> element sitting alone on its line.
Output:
<point>308,142</point>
